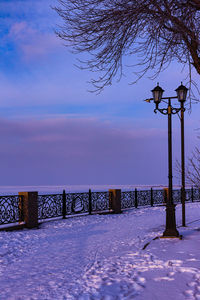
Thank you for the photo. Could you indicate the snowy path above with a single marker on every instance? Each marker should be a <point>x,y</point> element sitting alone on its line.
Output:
<point>101,257</point>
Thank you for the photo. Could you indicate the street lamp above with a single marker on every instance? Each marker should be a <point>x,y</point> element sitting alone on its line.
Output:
<point>157,95</point>
<point>170,230</point>
<point>182,94</point>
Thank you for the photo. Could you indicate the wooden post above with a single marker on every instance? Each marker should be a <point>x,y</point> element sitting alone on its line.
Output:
<point>30,208</point>
<point>115,200</point>
<point>136,199</point>
<point>64,204</point>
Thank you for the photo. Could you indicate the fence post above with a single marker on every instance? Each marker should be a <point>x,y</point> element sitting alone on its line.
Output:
<point>115,200</point>
<point>166,195</point>
<point>90,202</point>
<point>182,195</point>
<point>110,200</point>
<point>192,194</point>
<point>64,204</point>
<point>30,208</point>
<point>136,199</point>
<point>151,197</point>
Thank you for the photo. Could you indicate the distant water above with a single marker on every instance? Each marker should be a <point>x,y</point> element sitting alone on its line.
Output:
<point>57,189</point>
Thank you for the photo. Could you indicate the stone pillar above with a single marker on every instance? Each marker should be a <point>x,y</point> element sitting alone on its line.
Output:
<point>30,208</point>
<point>166,195</point>
<point>115,200</point>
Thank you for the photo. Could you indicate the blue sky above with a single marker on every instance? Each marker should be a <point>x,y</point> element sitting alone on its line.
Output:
<point>53,131</point>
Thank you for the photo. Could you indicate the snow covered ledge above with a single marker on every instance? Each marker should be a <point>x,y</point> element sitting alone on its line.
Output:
<point>30,208</point>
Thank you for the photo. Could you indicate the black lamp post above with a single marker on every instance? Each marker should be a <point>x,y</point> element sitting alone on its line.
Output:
<point>182,94</point>
<point>170,230</point>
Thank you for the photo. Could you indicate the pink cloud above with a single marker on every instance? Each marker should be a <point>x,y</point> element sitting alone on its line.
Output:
<point>32,42</point>
<point>79,151</point>
<point>82,151</point>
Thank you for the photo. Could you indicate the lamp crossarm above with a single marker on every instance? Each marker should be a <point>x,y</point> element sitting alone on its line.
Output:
<point>164,98</point>
<point>175,110</point>
<point>165,111</point>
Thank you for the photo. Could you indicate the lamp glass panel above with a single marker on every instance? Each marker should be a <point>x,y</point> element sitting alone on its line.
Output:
<point>181,95</point>
<point>157,96</point>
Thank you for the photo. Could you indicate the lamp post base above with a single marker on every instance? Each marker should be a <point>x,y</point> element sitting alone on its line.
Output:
<point>170,230</point>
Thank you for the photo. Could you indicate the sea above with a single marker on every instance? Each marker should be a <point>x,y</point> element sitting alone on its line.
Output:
<point>58,189</point>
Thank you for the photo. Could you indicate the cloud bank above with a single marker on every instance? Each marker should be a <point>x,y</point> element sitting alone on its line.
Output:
<point>78,151</point>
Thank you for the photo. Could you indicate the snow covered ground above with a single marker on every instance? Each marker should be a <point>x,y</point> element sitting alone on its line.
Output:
<point>102,257</point>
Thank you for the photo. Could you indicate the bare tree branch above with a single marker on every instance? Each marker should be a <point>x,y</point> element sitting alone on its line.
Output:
<point>192,172</point>
<point>154,32</point>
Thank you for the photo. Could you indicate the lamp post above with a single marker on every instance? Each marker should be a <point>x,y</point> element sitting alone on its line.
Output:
<point>182,94</point>
<point>170,230</point>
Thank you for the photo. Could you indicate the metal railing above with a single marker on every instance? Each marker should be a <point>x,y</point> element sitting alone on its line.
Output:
<point>61,205</point>
<point>76,203</point>
<point>49,206</point>
<point>56,205</point>
<point>11,209</point>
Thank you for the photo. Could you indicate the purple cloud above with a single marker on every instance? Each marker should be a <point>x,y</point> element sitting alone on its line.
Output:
<point>79,151</point>
<point>33,44</point>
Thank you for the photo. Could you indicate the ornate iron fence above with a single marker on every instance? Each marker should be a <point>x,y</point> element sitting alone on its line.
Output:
<point>144,198</point>
<point>49,206</point>
<point>158,196</point>
<point>176,196</point>
<point>141,198</point>
<point>11,209</point>
<point>77,203</point>
<point>57,205</point>
<point>100,201</point>
<point>127,199</point>
<point>155,197</point>
<point>188,195</point>
<point>196,194</point>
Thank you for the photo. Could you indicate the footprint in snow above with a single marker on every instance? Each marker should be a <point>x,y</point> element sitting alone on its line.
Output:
<point>113,280</point>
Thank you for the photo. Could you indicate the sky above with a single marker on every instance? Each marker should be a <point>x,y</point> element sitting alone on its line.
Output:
<point>53,131</point>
